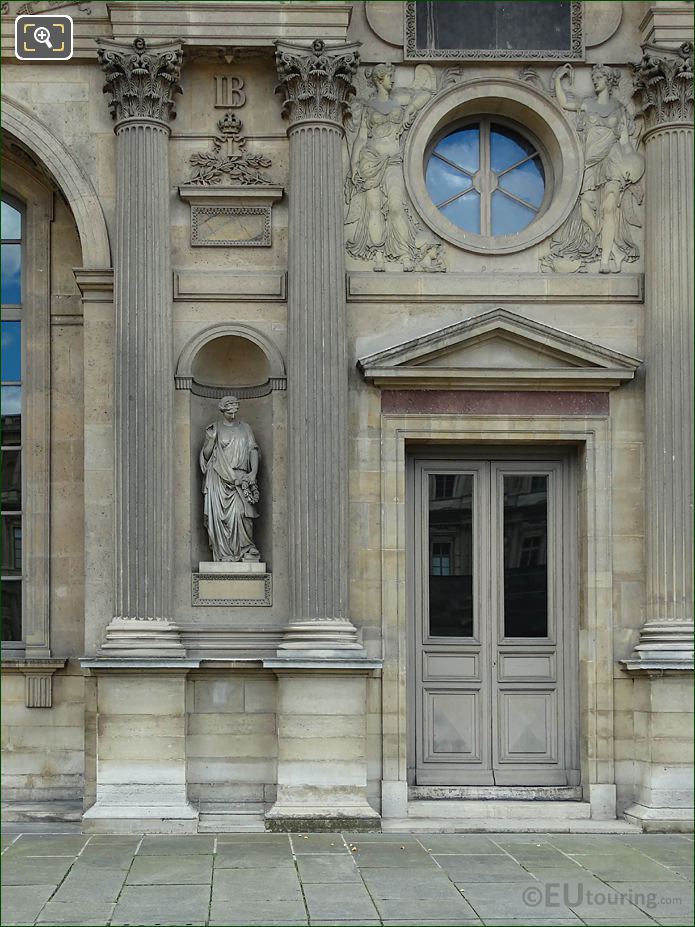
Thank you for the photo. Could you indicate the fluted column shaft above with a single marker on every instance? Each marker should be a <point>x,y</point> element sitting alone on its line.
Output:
<point>142,80</point>
<point>143,375</point>
<point>664,85</point>
<point>317,82</point>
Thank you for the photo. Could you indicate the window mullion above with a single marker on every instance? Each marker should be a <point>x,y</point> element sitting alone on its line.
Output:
<point>485,176</point>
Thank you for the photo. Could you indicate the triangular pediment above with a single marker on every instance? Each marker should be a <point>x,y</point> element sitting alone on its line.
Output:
<point>498,350</point>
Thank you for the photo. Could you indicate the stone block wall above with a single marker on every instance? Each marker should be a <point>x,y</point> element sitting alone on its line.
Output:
<point>43,748</point>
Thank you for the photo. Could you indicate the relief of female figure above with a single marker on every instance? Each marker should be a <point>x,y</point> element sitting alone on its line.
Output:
<point>375,188</point>
<point>599,227</point>
<point>229,459</point>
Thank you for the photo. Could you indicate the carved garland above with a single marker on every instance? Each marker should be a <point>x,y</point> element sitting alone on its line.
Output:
<point>229,159</point>
<point>142,81</point>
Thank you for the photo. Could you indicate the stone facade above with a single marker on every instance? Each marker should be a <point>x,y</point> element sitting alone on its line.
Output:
<point>190,233</point>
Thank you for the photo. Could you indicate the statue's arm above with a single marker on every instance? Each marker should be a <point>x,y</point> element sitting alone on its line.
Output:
<point>209,443</point>
<point>254,460</point>
<point>565,102</point>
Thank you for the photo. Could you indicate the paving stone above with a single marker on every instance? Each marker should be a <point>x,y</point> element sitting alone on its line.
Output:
<point>397,856</point>
<point>635,920</point>
<point>421,884</point>
<point>259,884</point>
<point>189,845</point>
<point>610,868</point>
<point>542,922</point>
<point>685,872</point>
<point>338,902</point>
<point>34,870</point>
<point>578,844</point>
<point>179,905</point>
<point>244,910</point>
<point>7,840</point>
<point>103,856</point>
<point>670,899</point>
<point>440,922</point>
<point>253,856</point>
<point>318,843</point>
<point>482,869</point>
<point>328,868</point>
<point>170,870</point>
<point>376,837</point>
<point>447,909</point>
<point>513,900</point>
<point>253,840</point>
<point>40,845</point>
<point>83,883</point>
<point>459,843</point>
<point>63,912</point>
<point>226,922</point>
<point>541,855</point>
<point>22,903</point>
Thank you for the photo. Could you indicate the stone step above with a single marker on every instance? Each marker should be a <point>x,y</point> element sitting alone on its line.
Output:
<point>500,810</point>
<point>231,817</point>
<point>40,812</point>
<point>505,826</point>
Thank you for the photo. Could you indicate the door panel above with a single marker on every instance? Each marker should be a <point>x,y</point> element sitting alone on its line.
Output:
<point>495,622</point>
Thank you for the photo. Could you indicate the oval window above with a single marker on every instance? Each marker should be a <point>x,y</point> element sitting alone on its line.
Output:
<point>487,179</point>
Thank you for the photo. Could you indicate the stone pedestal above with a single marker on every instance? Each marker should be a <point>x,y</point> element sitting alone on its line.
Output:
<point>317,82</point>
<point>140,752</point>
<point>322,741</point>
<point>142,81</point>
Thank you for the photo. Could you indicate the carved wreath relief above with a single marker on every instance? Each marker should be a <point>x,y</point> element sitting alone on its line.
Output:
<point>600,231</point>
<point>380,221</point>
<point>229,159</point>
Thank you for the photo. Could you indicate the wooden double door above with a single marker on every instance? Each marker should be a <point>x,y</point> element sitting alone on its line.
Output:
<point>493,656</point>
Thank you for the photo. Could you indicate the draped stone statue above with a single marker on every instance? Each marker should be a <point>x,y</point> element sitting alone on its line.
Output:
<point>229,459</point>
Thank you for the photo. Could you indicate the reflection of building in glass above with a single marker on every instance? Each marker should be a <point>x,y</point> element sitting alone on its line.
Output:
<point>451,554</point>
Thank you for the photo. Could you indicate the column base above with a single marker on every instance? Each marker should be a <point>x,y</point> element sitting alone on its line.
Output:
<point>663,645</point>
<point>291,818</point>
<point>132,637</point>
<point>660,820</point>
<point>104,818</point>
<point>321,638</point>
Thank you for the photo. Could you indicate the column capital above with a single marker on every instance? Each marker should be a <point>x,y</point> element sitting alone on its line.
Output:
<point>664,85</point>
<point>316,80</point>
<point>142,78</point>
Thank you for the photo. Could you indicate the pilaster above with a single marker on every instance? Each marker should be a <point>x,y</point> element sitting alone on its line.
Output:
<point>317,83</point>
<point>142,80</point>
<point>664,91</point>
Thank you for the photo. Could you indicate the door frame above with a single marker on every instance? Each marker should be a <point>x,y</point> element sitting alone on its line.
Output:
<point>590,435</point>
<point>562,461</point>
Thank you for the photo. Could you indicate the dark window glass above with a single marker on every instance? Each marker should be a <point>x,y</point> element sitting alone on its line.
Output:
<point>11,480</point>
<point>11,351</point>
<point>451,555</point>
<point>11,611</point>
<point>11,274</point>
<point>11,556</point>
<point>490,24</point>
<point>525,556</point>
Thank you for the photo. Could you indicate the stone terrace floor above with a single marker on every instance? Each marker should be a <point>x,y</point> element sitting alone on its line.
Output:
<point>349,879</point>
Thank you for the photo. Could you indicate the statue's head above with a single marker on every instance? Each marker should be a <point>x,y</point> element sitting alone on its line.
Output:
<point>229,406</point>
<point>603,76</point>
<point>382,74</point>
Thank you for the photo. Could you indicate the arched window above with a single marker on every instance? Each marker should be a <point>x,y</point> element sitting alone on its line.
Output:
<point>12,228</point>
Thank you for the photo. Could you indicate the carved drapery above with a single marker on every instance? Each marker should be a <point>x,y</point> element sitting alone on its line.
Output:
<point>663,85</point>
<point>316,82</point>
<point>142,81</point>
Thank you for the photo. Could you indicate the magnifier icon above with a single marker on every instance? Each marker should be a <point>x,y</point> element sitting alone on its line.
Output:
<point>42,35</point>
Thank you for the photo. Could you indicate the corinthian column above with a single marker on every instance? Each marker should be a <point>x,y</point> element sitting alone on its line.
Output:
<point>664,89</point>
<point>317,83</point>
<point>142,81</point>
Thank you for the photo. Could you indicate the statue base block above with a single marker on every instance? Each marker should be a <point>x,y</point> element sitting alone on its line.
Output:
<point>242,567</point>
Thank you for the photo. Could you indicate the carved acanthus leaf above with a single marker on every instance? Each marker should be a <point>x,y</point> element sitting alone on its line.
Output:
<point>664,85</point>
<point>317,82</point>
<point>229,159</point>
<point>141,79</point>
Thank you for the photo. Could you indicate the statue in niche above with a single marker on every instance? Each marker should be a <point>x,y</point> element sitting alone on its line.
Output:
<point>229,459</point>
<point>600,227</point>
<point>383,228</point>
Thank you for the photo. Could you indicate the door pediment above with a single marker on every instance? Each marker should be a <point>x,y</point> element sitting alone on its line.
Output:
<point>498,350</point>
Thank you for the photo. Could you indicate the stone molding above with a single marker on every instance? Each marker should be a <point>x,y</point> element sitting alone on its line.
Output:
<point>317,81</point>
<point>38,678</point>
<point>68,174</point>
<point>664,86</point>
<point>565,361</point>
<point>142,79</point>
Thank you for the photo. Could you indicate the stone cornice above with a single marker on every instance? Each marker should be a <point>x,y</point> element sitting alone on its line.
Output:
<point>316,80</point>
<point>142,79</point>
<point>664,86</point>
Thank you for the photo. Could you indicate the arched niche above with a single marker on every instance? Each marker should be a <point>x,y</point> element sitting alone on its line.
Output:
<point>236,359</point>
